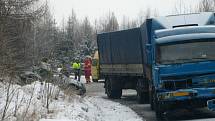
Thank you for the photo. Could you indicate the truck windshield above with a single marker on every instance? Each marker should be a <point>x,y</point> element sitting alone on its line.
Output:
<point>186,52</point>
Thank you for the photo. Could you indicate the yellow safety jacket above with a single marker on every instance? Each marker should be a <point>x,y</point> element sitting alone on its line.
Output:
<point>76,65</point>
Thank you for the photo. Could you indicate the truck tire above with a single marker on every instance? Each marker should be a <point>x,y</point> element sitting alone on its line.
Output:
<point>158,109</point>
<point>151,100</point>
<point>111,92</point>
<point>159,113</point>
<point>142,96</point>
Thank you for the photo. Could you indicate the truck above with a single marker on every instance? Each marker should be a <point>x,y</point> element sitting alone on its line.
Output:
<point>169,61</point>
<point>95,67</point>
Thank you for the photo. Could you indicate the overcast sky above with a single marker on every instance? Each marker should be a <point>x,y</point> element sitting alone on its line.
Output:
<point>131,8</point>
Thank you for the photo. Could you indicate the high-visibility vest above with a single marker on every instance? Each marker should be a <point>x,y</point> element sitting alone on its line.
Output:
<point>76,65</point>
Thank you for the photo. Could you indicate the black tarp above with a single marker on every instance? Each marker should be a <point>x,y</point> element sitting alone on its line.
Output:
<point>120,47</point>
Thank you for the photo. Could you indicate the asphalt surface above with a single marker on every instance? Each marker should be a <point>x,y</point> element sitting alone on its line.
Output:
<point>144,111</point>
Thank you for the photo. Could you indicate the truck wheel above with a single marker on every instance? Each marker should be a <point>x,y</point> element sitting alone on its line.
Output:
<point>142,97</point>
<point>111,92</point>
<point>159,113</point>
<point>158,110</point>
<point>151,101</point>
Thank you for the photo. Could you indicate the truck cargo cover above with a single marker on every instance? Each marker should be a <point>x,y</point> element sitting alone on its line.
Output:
<point>120,47</point>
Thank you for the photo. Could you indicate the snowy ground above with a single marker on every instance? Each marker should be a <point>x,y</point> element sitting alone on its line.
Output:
<point>90,109</point>
<point>30,103</point>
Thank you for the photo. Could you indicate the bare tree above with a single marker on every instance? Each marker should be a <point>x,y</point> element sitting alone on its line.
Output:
<point>10,93</point>
<point>182,8</point>
<point>112,23</point>
<point>109,23</point>
<point>143,15</point>
<point>29,103</point>
<point>127,23</point>
<point>16,23</point>
<point>206,6</point>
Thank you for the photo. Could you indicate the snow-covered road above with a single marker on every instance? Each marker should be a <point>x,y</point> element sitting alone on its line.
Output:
<point>90,109</point>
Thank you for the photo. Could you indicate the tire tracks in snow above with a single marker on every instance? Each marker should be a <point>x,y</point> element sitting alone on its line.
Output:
<point>100,111</point>
<point>110,110</point>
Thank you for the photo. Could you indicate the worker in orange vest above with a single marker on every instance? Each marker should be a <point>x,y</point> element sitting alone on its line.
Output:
<point>87,68</point>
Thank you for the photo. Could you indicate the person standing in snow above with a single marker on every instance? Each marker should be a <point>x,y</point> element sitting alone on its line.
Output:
<point>76,66</point>
<point>87,68</point>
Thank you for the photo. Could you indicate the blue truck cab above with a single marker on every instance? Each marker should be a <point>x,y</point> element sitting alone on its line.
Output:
<point>169,61</point>
<point>179,54</point>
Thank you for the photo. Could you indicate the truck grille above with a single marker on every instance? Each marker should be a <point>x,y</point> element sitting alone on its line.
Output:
<point>179,84</point>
